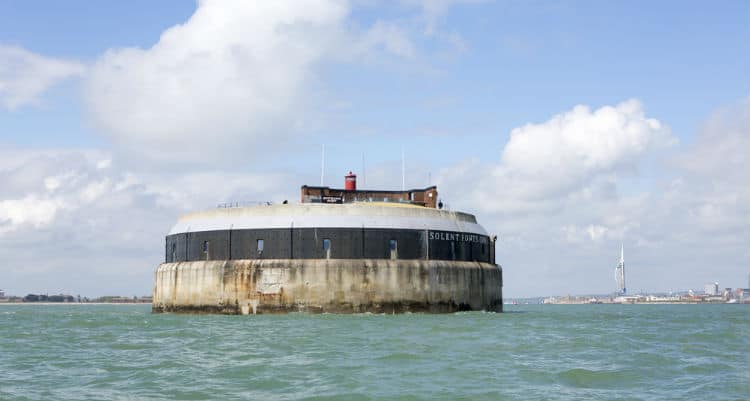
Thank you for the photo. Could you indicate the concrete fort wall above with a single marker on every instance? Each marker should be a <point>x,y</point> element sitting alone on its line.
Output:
<point>327,285</point>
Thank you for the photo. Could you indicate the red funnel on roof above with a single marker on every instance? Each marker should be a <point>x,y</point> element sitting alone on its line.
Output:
<point>350,182</point>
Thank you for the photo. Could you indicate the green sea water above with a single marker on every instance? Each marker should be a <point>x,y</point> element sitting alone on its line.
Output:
<point>539,352</point>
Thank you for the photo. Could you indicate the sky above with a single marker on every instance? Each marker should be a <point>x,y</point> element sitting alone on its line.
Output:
<point>567,127</point>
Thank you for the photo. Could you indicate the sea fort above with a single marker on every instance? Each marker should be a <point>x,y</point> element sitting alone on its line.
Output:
<point>336,251</point>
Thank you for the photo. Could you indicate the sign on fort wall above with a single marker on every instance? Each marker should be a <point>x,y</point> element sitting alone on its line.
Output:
<point>457,236</point>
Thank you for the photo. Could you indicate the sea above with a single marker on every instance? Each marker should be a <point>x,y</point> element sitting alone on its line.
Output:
<point>530,352</point>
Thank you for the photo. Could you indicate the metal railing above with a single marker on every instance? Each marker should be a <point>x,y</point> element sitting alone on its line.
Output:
<point>227,205</point>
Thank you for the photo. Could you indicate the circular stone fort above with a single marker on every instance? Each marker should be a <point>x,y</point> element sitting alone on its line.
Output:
<point>337,251</point>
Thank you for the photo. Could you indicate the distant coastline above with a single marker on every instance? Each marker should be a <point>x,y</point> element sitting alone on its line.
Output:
<point>690,297</point>
<point>66,299</point>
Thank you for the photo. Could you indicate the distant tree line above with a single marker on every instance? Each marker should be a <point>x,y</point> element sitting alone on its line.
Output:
<point>48,298</point>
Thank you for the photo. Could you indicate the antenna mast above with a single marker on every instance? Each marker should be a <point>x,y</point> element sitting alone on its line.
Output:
<point>322,164</point>
<point>403,171</point>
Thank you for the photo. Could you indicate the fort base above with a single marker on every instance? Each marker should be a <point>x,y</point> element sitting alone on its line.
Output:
<point>327,286</point>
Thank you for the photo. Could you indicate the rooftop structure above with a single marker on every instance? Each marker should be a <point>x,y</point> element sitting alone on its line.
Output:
<point>427,197</point>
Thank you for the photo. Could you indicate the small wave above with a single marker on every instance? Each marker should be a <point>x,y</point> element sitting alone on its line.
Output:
<point>584,378</point>
<point>398,356</point>
<point>706,368</point>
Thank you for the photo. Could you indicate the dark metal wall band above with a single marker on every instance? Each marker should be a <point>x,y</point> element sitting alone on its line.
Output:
<point>345,243</point>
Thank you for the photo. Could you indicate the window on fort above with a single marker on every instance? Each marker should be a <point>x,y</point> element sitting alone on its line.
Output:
<point>260,245</point>
<point>327,248</point>
<point>206,246</point>
<point>393,247</point>
<point>453,250</point>
<point>174,252</point>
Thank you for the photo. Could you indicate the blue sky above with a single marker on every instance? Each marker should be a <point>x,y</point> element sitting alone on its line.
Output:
<point>448,81</point>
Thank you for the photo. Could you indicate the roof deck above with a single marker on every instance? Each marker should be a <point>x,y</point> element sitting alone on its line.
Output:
<point>425,197</point>
<point>317,215</point>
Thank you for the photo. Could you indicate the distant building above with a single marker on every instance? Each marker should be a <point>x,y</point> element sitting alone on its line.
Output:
<point>2,294</point>
<point>743,294</point>
<point>712,289</point>
<point>629,299</point>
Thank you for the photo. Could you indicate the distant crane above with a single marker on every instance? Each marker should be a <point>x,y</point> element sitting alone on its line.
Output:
<point>620,272</point>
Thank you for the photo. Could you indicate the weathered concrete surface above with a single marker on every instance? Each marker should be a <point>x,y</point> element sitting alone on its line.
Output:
<point>334,286</point>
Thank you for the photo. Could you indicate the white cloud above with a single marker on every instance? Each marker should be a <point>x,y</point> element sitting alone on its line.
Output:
<point>226,82</point>
<point>581,143</point>
<point>24,75</point>
<point>28,210</point>
<point>571,154</point>
<point>41,185</point>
